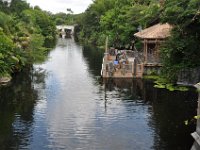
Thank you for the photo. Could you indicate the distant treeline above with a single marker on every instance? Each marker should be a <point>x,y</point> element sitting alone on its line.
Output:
<point>120,19</point>
<point>26,33</point>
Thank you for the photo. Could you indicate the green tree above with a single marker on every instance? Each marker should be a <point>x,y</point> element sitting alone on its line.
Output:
<point>47,26</point>
<point>23,33</point>
<point>182,49</point>
<point>90,22</point>
<point>118,19</point>
<point>5,22</point>
<point>10,59</point>
<point>17,6</point>
<point>4,6</point>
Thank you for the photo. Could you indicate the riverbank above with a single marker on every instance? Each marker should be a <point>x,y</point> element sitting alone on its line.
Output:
<point>5,80</point>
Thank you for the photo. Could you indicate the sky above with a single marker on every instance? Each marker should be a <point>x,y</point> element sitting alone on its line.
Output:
<point>55,6</point>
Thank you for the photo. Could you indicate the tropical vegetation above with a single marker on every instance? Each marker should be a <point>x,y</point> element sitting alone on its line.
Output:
<point>25,34</point>
<point>120,19</point>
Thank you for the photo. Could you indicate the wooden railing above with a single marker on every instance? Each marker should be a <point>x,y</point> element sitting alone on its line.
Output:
<point>152,59</point>
<point>139,70</point>
<point>127,68</point>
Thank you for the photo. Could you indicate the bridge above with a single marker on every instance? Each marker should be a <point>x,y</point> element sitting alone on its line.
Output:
<point>65,30</point>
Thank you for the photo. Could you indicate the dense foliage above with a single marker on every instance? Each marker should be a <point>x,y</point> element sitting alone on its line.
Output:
<point>65,19</point>
<point>120,19</point>
<point>25,31</point>
<point>182,49</point>
<point>24,35</point>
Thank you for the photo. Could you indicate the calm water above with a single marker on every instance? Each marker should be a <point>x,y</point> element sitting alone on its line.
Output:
<point>62,104</point>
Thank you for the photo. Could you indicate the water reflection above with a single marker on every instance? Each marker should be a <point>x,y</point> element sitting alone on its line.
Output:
<point>93,57</point>
<point>166,111</point>
<point>61,104</point>
<point>17,101</point>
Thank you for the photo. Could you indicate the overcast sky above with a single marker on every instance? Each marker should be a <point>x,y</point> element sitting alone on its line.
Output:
<point>56,6</point>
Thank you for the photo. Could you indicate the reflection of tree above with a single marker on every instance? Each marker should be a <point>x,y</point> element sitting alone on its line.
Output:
<point>112,84</point>
<point>16,110</point>
<point>134,86</point>
<point>168,111</point>
<point>94,57</point>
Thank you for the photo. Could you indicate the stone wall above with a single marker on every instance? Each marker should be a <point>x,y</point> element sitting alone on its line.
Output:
<point>189,76</point>
<point>152,70</point>
<point>196,135</point>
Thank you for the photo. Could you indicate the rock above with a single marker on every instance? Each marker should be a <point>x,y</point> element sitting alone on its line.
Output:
<point>4,80</point>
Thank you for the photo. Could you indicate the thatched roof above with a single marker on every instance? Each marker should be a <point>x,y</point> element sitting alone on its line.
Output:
<point>158,31</point>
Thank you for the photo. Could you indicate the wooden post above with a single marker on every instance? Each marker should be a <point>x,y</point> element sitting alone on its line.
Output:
<point>142,69</point>
<point>145,51</point>
<point>133,67</point>
<point>106,48</point>
<point>158,51</point>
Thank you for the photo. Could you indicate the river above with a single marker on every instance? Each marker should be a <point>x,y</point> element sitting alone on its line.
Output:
<point>62,104</point>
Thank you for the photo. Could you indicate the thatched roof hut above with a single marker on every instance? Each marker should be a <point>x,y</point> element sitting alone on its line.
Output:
<point>158,31</point>
<point>152,37</point>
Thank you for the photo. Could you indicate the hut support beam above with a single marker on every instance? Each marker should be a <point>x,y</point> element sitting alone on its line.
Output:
<point>145,51</point>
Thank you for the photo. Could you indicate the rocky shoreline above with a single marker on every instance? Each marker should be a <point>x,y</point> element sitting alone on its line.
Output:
<point>4,80</point>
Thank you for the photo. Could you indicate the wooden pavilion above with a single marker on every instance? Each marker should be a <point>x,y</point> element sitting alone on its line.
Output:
<point>152,38</point>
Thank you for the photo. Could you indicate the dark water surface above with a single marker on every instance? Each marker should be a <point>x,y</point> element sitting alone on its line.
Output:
<point>61,104</point>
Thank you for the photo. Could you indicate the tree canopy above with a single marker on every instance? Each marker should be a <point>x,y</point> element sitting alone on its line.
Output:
<point>24,34</point>
<point>120,19</point>
<point>182,49</point>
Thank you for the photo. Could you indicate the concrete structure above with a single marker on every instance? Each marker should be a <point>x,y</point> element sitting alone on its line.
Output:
<point>196,135</point>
